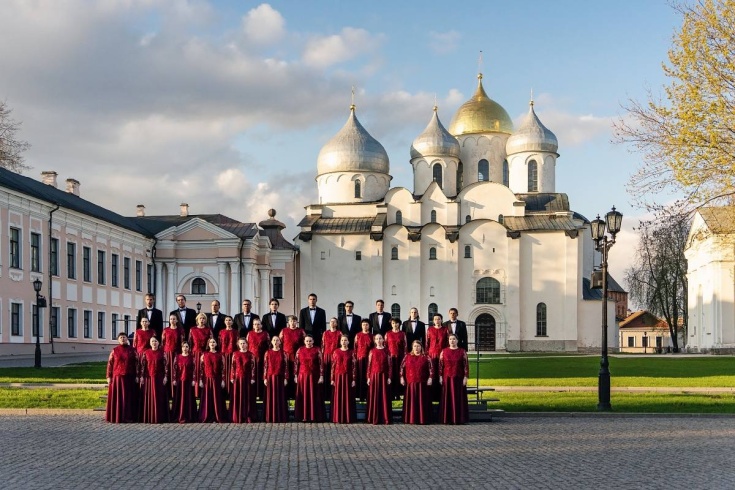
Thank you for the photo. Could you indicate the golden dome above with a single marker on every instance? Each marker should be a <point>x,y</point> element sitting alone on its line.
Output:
<point>480,114</point>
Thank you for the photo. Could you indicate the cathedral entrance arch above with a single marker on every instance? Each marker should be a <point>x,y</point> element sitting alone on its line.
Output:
<point>485,324</point>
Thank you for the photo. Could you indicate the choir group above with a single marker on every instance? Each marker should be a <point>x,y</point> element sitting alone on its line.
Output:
<point>160,377</point>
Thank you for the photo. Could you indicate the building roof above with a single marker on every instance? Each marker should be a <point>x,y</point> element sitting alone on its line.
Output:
<point>343,225</point>
<point>480,114</point>
<point>540,222</point>
<point>720,220</point>
<point>156,224</point>
<point>545,202</point>
<point>531,135</point>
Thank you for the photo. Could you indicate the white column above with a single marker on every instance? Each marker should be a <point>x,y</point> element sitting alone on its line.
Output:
<point>171,287</point>
<point>160,299</point>
<point>265,289</point>
<point>249,283</point>
<point>234,288</point>
<point>222,287</point>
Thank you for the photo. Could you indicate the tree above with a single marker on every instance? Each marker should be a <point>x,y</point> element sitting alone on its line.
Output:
<point>657,280</point>
<point>688,138</point>
<point>11,148</point>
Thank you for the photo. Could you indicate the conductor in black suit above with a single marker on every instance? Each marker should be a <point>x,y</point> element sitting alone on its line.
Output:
<point>415,329</point>
<point>313,320</point>
<point>379,319</point>
<point>349,323</point>
<point>274,321</point>
<point>187,316</point>
<point>457,327</point>
<point>154,315</point>
<point>216,319</point>
<point>244,321</point>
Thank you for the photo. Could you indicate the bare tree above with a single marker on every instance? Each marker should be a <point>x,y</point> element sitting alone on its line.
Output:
<point>11,148</point>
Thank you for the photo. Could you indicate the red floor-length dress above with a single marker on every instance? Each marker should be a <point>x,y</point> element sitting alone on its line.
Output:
<point>293,339</point>
<point>379,406</point>
<point>242,391</point>
<point>437,339</point>
<point>212,407</point>
<point>198,339</point>
<point>228,346</point>
<point>275,371</point>
<point>142,339</point>
<point>330,343</point>
<point>344,370</point>
<point>122,402</point>
<point>416,370</point>
<point>184,408</point>
<point>258,346</point>
<point>309,393</point>
<point>363,344</point>
<point>171,345</point>
<point>396,344</point>
<point>151,372</point>
<point>453,368</point>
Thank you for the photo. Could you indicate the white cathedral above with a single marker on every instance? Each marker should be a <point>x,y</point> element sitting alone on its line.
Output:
<point>483,230</point>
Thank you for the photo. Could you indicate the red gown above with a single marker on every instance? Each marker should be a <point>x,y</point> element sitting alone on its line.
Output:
<point>212,406</point>
<point>198,339</point>
<point>416,370</point>
<point>122,402</point>
<point>309,394</point>
<point>275,371</point>
<point>396,344</point>
<point>171,345</point>
<point>152,369</point>
<point>363,344</point>
<point>437,339</point>
<point>228,346</point>
<point>258,346</point>
<point>142,339</point>
<point>379,406</point>
<point>344,370</point>
<point>184,407</point>
<point>330,343</point>
<point>242,398</point>
<point>453,368</point>
<point>292,339</point>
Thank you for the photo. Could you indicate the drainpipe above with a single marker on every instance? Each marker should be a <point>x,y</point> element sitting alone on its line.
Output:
<point>153,263</point>
<point>239,286</point>
<point>50,275</point>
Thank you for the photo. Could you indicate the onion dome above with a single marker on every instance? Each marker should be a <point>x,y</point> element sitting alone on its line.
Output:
<point>481,114</point>
<point>352,149</point>
<point>435,141</point>
<point>531,136</point>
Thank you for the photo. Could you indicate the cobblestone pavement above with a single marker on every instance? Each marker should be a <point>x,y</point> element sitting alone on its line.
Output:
<point>79,450</point>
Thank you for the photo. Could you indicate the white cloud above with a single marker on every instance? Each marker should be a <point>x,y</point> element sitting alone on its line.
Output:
<point>264,24</point>
<point>444,42</point>
<point>325,51</point>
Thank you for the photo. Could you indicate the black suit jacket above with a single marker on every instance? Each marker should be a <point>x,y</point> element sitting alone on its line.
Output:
<point>268,326</point>
<point>461,332</point>
<point>350,332</point>
<point>191,320</point>
<point>411,334</point>
<point>318,327</point>
<point>240,323</point>
<point>156,320</point>
<point>220,324</point>
<point>376,327</point>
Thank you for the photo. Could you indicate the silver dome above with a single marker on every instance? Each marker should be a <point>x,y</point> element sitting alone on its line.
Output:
<point>531,135</point>
<point>352,149</point>
<point>435,141</point>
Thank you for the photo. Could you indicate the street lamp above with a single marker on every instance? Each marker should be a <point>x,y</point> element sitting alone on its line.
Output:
<point>603,242</point>
<point>37,285</point>
<point>199,307</point>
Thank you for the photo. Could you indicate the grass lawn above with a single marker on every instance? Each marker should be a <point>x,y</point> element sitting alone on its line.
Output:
<point>50,398</point>
<point>88,372</point>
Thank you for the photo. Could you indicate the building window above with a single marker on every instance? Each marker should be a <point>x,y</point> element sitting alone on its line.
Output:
<point>35,252</point>
<point>149,273</point>
<point>114,272</point>
<point>483,171</point>
<point>460,177</point>
<point>467,252</point>
<point>36,321</point>
<point>437,173</point>
<point>631,341</point>
<point>100,267</point>
<point>198,286</point>
<point>340,310</point>
<point>15,248</point>
<point>394,253</point>
<point>501,219</point>
<point>114,325</point>
<point>55,322</point>
<point>71,323</point>
<point>86,264</point>
<point>433,310</point>
<point>358,255</point>
<point>467,218</point>
<point>71,260</point>
<point>506,174</point>
<point>54,259</point>
<point>395,310</point>
<point>645,341</point>
<point>278,287</point>
<point>126,321</point>
<point>432,253</point>
<point>532,176</point>
<point>323,255</point>
<point>126,272</point>
<point>432,218</point>
<point>100,324</point>
<point>487,291</point>
<point>399,218</point>
<point>541,320</point>
<point>87,324</point>
<point>16,323</point>
<point>358,190</point>
<point>138,275</point>
<point>393,290</point>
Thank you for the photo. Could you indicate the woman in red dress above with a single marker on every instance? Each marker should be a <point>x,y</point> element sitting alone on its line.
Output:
<point>330,343</point>
<point>344,366</point>
<point>379,406</point>
<point>153,375</point>
<point>122,403</point>
<point>228,346</point>
<point>242,379</point>
<point>416,374</point>
<point>309,377</point>
<point>142,337</point>
<point>363,344</point>
<point>454,369</point>
<point>437,339</point>
<point>292,338</point>
<point>171,342</point>
<point>258,341</point>
<point>198,339</point>
<point>212,406</point>
<point>275,379</point>
<point>396,342</point>
<point>184,407</point>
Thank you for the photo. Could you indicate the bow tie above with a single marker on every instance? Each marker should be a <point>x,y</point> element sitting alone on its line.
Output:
<point>182,309</point>
<point>247,314</point>
<point>349,315</point>
<point>149,309</point>
<point>312,309</point>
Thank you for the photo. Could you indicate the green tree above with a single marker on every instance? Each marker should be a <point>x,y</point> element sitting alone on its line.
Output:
<point>11,148</point>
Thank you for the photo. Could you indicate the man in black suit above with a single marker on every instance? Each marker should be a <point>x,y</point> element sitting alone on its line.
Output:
<point>379,319</point>
<point>415,329</point>
<point>154,315</point>
<point>274,321</point>
<point>243,321</point>
<point>349,323</point>
<point>457,327</point>
<point>187,316</point>
<point>216,319</point>
<point>313,320</point>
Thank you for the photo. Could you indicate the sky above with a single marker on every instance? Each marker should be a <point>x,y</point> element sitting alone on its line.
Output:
<point>224,105</point>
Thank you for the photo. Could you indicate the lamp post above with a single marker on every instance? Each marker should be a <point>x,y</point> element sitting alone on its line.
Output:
<point>645,342</point>
<point>199,307</point>
<point>37,285</point>
<point>603,242</point>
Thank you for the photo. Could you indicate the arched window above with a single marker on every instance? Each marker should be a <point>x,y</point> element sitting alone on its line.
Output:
<point>399,217</point>
<point>432,253</point>
<point>487,291</point>
<point>433,310</point>
<point>483,171</point>
<point>541,320</point>
<point>394,253</point>
<point>501,219</point>
<point>460,177</point>
<point>433,216</point>
<point>340,310</point>
<point>532,176</point>
<point>467,252</point>
<point>506,174</point>
<point>393,290</point>
<point>395,310</point>
<point>437,171</point>
<point>198,286</point>
<point>467,218</point>
<point>358,189</point>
